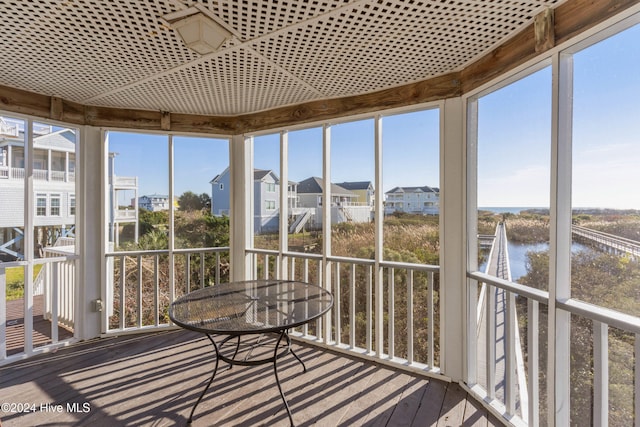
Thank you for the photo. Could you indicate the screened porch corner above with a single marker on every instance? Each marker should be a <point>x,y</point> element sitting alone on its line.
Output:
<point>154,379</point>
<point>343,143</point>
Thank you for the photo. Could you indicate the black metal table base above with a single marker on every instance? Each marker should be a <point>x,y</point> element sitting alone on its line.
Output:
<point>232,361</point>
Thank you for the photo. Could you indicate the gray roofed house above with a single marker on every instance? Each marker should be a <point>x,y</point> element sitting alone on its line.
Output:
<point>418,200</point>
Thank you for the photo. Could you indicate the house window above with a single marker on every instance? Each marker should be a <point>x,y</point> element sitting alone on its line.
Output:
<point>41,204</point>
<point>271,187</point>
<point>72,204</point>
<point>270,205</point>
<point>55,205</point>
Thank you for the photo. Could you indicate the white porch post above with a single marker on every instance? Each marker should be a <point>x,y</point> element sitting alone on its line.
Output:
<point>452,240</point>
<point>559,342</point>
<point>91,230</point>
<point>241,205</point>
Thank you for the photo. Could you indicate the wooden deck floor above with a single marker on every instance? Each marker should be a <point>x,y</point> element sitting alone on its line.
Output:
<point>41,326</point>
<point>154,379</point>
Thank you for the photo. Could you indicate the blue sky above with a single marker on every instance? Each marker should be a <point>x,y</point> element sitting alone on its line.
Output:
<point>514,135</point>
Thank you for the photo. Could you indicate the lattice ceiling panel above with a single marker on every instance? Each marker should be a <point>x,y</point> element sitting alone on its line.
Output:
<point>81,48</point>
<point>387,43</point>
<point>118,53</point>
<point>232,83</point>
<point>256,18</point>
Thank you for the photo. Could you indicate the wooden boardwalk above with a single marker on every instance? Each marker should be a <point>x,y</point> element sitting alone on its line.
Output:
<point>154,379</point>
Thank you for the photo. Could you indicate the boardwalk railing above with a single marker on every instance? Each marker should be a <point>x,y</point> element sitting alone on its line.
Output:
<point>400,308</point>
<point>142,284</point>
<point>603,322</point>
<point>610,242</point>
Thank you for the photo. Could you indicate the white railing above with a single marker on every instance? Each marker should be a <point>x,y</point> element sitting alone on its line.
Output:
<point>142,284</point>
<point>58,289</point>
<point>126,181</point>
<point>126,214</point>
<point>38,174</point>
<point>537,302</point>
<point>405,314</point>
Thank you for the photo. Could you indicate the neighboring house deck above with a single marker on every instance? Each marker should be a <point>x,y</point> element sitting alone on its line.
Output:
<point>154,379</point>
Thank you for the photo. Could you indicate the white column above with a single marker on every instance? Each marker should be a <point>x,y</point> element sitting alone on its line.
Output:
<point>452,239</point>
<point>241,205</point>
<point>91,226</point>
<point>379,233</point>
<point>326,221</point>
<point>470,111</point>
<point>27,243</point>
<point>560,238</point>
<point>284,202</point>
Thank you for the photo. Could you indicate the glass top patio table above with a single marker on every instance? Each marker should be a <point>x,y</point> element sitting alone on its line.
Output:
<point>250,307</point>
<point>254,306</point>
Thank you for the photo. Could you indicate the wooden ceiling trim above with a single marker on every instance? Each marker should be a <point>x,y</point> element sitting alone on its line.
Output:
<point>570,19</point>
<point>576,16</point>
<point>442,87</point>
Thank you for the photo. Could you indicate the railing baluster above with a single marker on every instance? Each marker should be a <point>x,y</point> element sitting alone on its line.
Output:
<point>139,291</point>
<point>533,346</point>
<point>410,316</point>
<point>187,273</point>
<point>123,272</point>
<point>352,312</point>
<point>636,375</point>
<point>55,286</point>
<point>202,269</point>
<point>600,374</point>
<point>3,313</point>
<point>156,293</point>
<point>266,266</point>
<point>369,276</point>
<point>392,316</point>
<point>217,268</point>
<point>305,274</point>
<point>431,350</point>
<point>490,343</point>
<point>336,306</point>
<point>510,352</point>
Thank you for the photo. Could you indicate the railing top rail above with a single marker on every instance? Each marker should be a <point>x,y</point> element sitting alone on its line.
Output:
<point>614,318</point>
<point>526,291</point>
<point>262,251</point>
<point>349,260</point>
<point>166,251</point>
<point>11,264</point>
<point>61,258</point>
<point>411,266</point>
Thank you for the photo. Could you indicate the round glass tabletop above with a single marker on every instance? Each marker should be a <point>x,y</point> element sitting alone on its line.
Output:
<point>252,306</point>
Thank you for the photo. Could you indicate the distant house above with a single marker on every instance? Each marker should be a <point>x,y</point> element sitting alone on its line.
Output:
<point>417,200</point>
<point>54,176</point>
<point>345,204</point>
<point>266,196</point>
<point>363,189</point>
<point>154,202</point>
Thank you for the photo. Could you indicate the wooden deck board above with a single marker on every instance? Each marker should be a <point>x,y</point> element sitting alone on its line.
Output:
<point>154,379</point>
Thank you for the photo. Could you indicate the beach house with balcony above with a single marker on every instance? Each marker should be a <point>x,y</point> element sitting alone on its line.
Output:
<point>423,200</point>
<point>54,176</point>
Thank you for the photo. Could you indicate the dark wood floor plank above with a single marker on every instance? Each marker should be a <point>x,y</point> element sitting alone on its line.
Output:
<point>154,379</point>
<point>452,412</point>
<point>475,415</point>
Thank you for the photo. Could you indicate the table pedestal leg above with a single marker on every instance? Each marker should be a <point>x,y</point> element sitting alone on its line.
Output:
<point>215,369</point>
<point>275,371</point>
